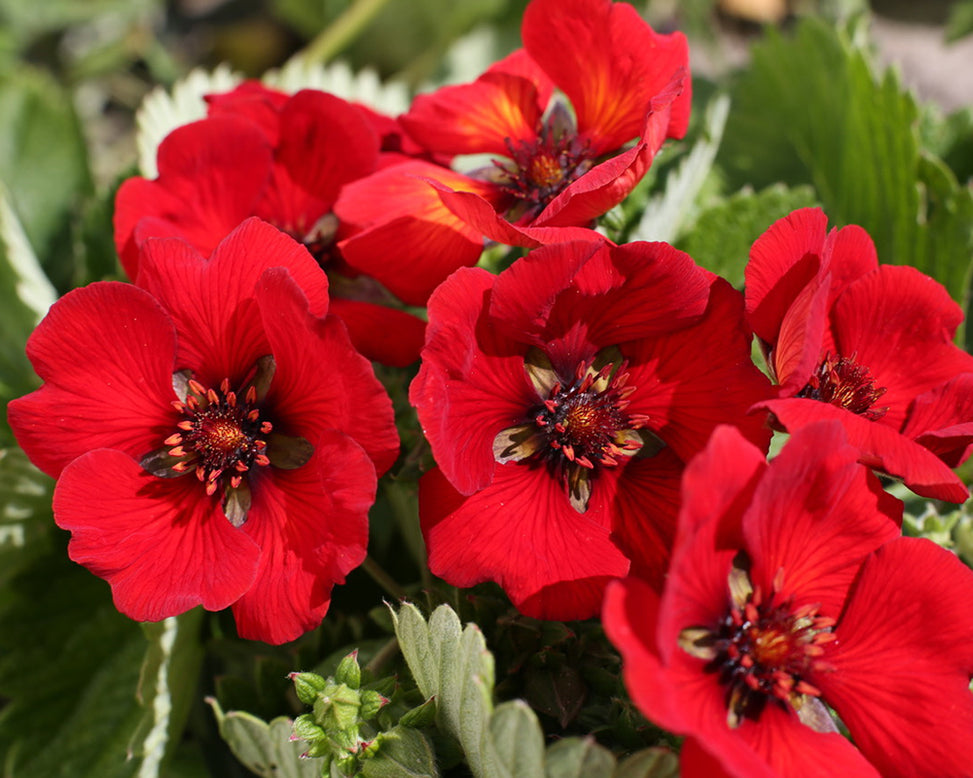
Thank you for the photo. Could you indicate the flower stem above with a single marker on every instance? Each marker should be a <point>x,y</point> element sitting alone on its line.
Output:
<point>382,657</point>
<point>383,579</point>
<point>343,30</point>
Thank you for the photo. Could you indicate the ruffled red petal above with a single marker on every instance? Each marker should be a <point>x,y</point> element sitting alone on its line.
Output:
<point>211,301</point>
<point>900,324</point>
<point>700,376</point>
<point>644,510</point>
<point>162,544</point>
<point>311,525</point>
<point>471,383</point>
<point>880,447</point>
<point>325,143</point>
<point>401,234</point>
<point>815,515</point>
<point>106,354</point>
<point>320,382</point>
<point>607,184</point>
<point>903,661</point>
<point>592,295</point>
<point>717,487</point>
<point>803,332</point>
<point>387,335</point>
<point>609,63</point>
<point>483,219</point>
<point>254,101</point>
<point>521,532</point>
<point>477,118</point>
<point>211,174</point>
<point>940,420</point>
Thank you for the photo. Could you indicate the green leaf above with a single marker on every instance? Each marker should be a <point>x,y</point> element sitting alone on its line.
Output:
<point>44,163</point>
<point>723,234</point>
<point>265,749</point>
<point>667,213</point>
<point>167,688</point>
<point>25,512</point>
<point>576,757</point>
<point>810,110</point>
<point>454,666</point>
<point>649,763</point>
<point>404,753</point>
<point>69,666</point>
<point>960,22</point>
<point>516,742</point>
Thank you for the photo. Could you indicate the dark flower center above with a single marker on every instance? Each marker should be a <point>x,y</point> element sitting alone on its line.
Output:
<point>578,426</point>
<point>222,437</point>
<point>843,382</point>
<point>540,169</point>
<point>761,650</point>
<point>318,238</point>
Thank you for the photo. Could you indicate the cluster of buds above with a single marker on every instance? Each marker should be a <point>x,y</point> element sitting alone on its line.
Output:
<point>338,729</point>
<point>344,731</point>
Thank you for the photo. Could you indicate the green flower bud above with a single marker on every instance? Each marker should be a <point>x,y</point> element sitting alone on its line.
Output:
<point>307,686</point>
<point>348,672</point>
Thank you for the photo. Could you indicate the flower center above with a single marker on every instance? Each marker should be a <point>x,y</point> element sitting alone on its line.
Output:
<point>762,649</point>
<point>578,427</point>
<point>540,169</point>
<point>221,438</point>
<point>843,382</point>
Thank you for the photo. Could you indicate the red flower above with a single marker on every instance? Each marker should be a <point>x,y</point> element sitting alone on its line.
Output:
<point>789,591</point>
<point>203,433</point>
<point>867,345</point>
<point>282,158</point>
<point>561,399</point>
<point>553,166</point>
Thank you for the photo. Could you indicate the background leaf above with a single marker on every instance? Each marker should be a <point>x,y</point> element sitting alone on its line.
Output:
<point>809,110</point>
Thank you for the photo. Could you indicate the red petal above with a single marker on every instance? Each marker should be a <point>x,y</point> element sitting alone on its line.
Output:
<point>402,234</point>
<point>471,383</point>
<point>211,174</point>
<point>644,511</point>
<point>482,218</point>
<point>782,261</point>
<point>900,323</point>
<point>617,294</point>
<point>609,63</point>
<point>802,335</point>
<point>162,544</point>
<point>903,661</point>
<point>880,447</point>
<point>939,420</point>
<point>320,381</point>
<point>522,533</point>
<point>387,335</point>
<point>253,101</point>
<point>476,118</point>
<point>700,376</point>
<point>211,301</point>
<point>106,353</point>
<point>716,489</point>
<point>325,143</point>
<point>606,185</point>
<point>815,515</point>
<point>312,528</point>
